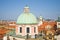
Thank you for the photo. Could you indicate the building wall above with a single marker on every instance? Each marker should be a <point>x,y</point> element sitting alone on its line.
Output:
<point>11,38</point>
<point>58,24</point>
<point>57,37</point>
<point>5,38</point>
<point>40,23</point>
<point>24,32</point>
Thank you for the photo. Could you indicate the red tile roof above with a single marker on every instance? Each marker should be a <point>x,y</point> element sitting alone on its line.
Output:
<point>3,31</point>
<point>45,23</point>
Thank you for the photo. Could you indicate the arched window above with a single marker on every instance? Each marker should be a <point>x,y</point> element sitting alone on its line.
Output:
<point>28,30</point>
<point>34,29</point>
<point>20,29</point>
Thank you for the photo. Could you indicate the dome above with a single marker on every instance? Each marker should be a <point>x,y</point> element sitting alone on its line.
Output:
<point>27,18</point>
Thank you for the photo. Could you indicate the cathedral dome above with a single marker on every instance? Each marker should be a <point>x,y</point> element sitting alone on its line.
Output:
<point>27,18</point>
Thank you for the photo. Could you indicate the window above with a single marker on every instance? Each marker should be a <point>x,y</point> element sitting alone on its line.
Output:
<point>20,29</point>
<point>34,29</point>
<point>35,35</point>
<point>8,38</point>
<point>58,23</point>
<point>28,30</point>
<point>14,39</point>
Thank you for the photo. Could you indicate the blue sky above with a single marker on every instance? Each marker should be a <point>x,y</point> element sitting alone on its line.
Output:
<point>11,9</point>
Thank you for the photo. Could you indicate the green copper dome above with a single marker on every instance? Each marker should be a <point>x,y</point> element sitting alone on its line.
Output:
<point>26,18</point>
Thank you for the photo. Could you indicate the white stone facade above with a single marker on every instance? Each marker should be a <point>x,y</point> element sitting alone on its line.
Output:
<point>24,30</point>
<point>58,24</point>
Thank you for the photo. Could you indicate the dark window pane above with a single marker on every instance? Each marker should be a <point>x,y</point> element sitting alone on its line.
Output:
<point>58,23</point>
<point>20,29</point>
<point>28,30</point>
<point>34,29</point>
<point>14,39</point>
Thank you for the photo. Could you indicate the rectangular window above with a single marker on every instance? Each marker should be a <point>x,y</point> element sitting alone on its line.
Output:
<point>34,29</point>
<point>20,29</point>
